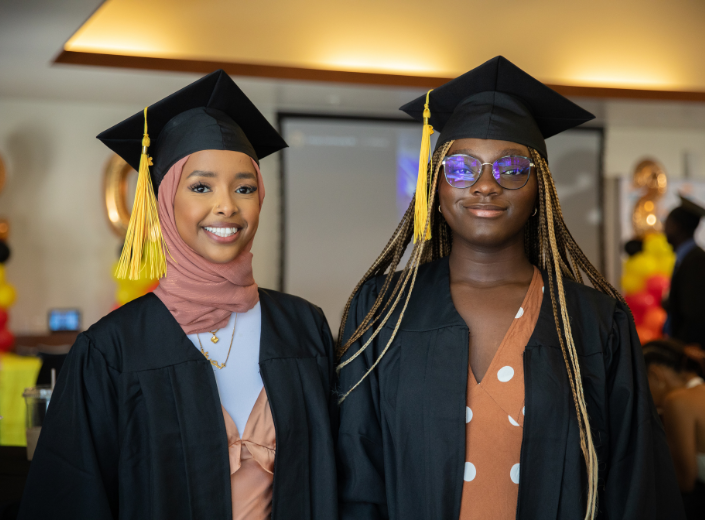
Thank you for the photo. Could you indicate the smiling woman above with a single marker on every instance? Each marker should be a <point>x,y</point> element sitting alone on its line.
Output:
<point>217,204</point>
<point>211,397</point>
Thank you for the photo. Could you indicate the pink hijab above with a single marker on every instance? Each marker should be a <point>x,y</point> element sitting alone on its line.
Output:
<point>200,294</point>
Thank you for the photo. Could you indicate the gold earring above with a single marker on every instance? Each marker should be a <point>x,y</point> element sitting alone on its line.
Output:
<point>440,210</point>
<point>535,211</point>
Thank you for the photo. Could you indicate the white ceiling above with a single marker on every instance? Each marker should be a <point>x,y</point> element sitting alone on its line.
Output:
<point>32,33</point>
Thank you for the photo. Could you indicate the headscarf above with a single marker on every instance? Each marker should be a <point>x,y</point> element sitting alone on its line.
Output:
<point>200,294</point>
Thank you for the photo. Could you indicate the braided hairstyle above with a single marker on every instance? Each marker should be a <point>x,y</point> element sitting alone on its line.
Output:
<point>548,245</point>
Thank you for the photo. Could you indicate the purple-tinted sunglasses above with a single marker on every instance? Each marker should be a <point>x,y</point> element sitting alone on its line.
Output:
<point>511,172</point>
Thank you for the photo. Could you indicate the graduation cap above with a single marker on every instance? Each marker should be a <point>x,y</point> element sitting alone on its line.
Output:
<point>691,206</point>
<point>496,100</point>
<point>688,214</point>
<point>211,113</point>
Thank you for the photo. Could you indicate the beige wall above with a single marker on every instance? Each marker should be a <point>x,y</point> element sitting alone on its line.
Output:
<point>62,246</point>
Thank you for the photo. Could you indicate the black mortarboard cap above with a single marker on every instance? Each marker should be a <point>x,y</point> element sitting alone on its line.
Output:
<point>691,206</point>
<point>498,100</point>
<point>209,114</point>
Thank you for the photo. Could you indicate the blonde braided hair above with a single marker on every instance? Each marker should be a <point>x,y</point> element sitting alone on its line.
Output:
<point>548,244</point>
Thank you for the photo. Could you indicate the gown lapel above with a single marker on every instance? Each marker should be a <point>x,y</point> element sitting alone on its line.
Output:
<point>547,420</point>
<point>189,440</point>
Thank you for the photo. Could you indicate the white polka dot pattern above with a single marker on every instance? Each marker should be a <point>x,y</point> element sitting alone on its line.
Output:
<point>505,374</point>
<point>512,421</point>
<point>520,313</point>
<point>468,414</point>
<point>470,472</point>
<point>513,474</point>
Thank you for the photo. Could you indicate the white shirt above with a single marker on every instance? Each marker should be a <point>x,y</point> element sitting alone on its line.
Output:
<point>239,382</point>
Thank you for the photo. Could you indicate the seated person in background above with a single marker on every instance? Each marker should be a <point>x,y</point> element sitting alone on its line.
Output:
<point>679,394</point>
<point>686,301</point>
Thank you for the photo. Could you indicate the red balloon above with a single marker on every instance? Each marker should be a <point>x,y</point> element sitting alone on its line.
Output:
<point>654,318</point>
<point>639,303</point>
<point>646,334</point>
<point>3,318</point>
<point>657,285</point>
<point>7,340</point>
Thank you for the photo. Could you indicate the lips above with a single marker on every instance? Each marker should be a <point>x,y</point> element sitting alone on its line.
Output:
<point>486,210</point>
<point>222,234</point>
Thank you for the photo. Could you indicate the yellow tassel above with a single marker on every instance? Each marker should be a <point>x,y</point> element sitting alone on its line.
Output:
<point>422,194</point>
<point>144,244</point>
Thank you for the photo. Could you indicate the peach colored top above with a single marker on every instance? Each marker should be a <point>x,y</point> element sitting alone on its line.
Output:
<point>252,462</point>
<point>494,416</point>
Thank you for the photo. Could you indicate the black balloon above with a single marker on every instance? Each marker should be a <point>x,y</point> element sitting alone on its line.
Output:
<point>4,252</point>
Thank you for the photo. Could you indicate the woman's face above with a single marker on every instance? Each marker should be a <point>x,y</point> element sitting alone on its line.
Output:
<point>485,214</point>
<point>216,207</point>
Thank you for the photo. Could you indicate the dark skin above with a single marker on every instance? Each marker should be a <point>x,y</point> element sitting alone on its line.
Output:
<point>675,234</point>
<point>489,271</point>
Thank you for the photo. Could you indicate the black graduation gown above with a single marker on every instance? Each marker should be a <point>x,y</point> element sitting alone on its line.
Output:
<point>686,301</point>
<point>135,428</point>
<point>401,442</point>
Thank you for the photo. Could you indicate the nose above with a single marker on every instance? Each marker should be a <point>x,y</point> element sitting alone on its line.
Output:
<point>225,205</point>
<point>486,185</point>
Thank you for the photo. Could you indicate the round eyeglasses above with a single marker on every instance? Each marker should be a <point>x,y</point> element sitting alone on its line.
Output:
<point>511,172</point>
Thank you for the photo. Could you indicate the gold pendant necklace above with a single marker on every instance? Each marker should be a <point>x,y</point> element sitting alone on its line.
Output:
<point>214,339</point>
<point>213,362</point>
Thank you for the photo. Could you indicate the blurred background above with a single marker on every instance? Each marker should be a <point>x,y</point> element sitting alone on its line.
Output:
<point>331,76</point>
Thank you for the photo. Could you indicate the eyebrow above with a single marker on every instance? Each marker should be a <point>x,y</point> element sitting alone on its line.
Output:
<point>506,151</point>
<point>209,174</point>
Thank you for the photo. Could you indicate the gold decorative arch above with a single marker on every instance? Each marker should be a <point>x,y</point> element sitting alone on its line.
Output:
<point>115,180</point>
<point>651,178</point>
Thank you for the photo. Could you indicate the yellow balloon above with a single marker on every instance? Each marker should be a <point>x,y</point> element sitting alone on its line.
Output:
<point>126,293</point>
<point>7,295</point>
<point>656,243</point>
<point>632,283</point>
<point>2,273</point>
<point>641,264</point>
<point>665,264</point>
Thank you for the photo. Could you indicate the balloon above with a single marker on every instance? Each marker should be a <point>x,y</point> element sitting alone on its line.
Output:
<point>7,340</point>
<point>129,290</point>
<point>3,318</point>
<point>657,285</point>
<point>127,293</point>
<point>4,252</point>
<point>646,334</point>
<point>641,264</point>
<point>654,318</point>
<point>7,295</point>
<point>632,283</point>
<point>2,273</point>
<point>656,244</point>
<point>642,300</point>
<point>665,265</point>
<point>639,303</point>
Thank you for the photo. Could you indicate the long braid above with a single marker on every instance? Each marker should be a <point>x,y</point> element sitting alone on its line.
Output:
<point>548,244</point>
<point>408,277</point>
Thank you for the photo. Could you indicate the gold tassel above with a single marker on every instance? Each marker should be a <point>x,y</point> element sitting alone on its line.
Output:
<point>422,195</point>
<point>144,244</point>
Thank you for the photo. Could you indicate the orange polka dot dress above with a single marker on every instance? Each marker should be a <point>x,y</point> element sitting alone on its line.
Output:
<point>494,418</point>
